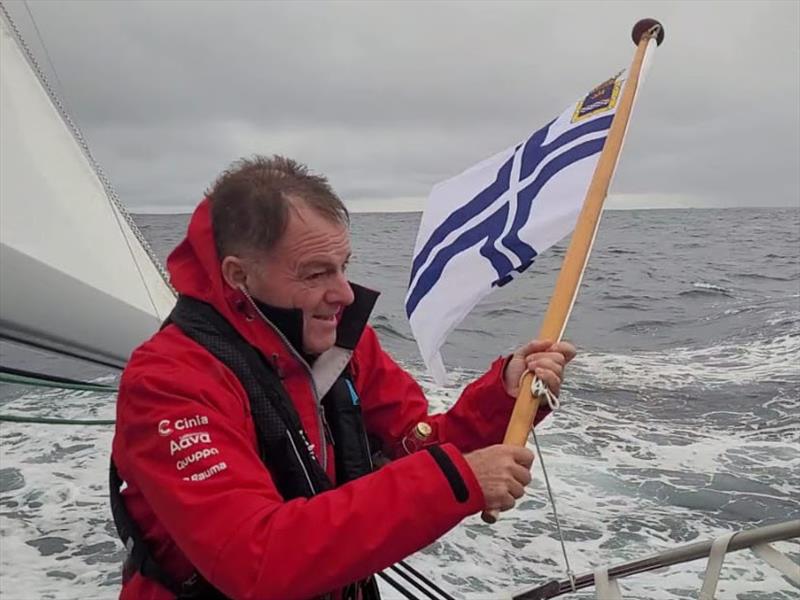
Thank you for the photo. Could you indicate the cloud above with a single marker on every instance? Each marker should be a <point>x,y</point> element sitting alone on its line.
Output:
<point>389,98</point>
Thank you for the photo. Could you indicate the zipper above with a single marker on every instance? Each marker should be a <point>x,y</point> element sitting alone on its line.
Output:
<point>328,432</point>
<point>317,401</point>
<point>302,464</point>
<point>366,447</point>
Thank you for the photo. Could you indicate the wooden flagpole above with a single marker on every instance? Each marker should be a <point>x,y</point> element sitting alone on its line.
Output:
<point>580,246</point>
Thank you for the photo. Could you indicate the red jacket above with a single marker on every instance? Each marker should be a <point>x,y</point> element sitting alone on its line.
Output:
<point>186,446</point>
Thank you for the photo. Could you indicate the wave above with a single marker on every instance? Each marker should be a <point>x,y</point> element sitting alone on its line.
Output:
<point>762,276</point>
<point>707,289</point>
<point>768,302</point>
<point>753,362</point>
<point>643,326</point>
<point>502,312</point>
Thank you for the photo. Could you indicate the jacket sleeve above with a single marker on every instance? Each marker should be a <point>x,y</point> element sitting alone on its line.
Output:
<point>393,403</point>
<point>218,503</point>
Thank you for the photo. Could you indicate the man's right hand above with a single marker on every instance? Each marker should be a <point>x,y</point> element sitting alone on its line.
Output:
<point>503,471</point>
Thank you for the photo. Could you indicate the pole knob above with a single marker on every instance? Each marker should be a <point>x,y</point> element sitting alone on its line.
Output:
<point>643,27</point>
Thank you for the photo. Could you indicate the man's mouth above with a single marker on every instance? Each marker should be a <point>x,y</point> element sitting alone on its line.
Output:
<point>330,318</point>
<point>327,318</point>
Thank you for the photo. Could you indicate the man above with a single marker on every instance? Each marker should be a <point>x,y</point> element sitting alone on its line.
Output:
<point>242,426</point>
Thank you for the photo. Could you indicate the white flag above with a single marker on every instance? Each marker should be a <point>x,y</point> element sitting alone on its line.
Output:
<point>483,227</point>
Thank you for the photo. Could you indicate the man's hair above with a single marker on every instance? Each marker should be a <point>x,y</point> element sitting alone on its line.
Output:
<point>250,202</point>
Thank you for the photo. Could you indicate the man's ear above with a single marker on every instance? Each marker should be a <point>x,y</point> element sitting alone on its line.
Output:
<point>233,272</point>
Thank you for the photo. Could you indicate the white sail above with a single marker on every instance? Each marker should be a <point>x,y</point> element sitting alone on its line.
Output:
<point>74,276</point>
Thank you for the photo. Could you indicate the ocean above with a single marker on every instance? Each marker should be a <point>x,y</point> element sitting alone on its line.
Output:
<point>679,418</point>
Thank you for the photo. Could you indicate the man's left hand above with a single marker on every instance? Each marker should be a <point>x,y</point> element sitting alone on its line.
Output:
<point>544,359</point>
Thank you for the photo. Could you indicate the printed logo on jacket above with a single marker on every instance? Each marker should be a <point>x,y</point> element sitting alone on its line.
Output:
<point>183,445</point>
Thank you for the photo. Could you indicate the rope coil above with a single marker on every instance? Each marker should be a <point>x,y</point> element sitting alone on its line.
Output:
<point>540,390</point>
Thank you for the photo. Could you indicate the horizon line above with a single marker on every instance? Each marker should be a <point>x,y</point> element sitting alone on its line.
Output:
<point>151,210</point>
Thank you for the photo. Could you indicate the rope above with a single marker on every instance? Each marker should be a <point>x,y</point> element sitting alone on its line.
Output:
<point>427,593</point>
<point>570,574</point>
<point>396,585</point>
<point>55,421</point>
<point>46,53</point>
<point>424,579</point>
<point>18,379</point>
<point>540,389</point>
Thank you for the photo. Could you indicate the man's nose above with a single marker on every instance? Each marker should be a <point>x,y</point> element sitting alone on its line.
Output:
<point>341,292</point>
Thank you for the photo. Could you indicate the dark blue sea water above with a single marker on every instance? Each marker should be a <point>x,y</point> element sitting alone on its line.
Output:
<point>680,416</point>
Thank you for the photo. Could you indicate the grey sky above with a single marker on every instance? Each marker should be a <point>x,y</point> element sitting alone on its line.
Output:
<point>389,98</point>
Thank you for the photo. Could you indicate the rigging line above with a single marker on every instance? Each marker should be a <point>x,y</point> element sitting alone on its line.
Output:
<point>54,420</point>
<point>424,579</point>
<point>427,593</point>
<point>396,585</point>
<point>570,574</point>
<point>47,55</point>
<point>133,257</point>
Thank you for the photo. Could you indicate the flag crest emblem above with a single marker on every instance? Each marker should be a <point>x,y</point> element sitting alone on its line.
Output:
<point>601,99</point>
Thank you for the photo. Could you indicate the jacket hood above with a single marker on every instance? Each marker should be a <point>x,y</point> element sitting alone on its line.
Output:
<point>194,269</point>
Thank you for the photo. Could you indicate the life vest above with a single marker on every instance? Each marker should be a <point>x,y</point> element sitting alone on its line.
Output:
<point>282,443</point>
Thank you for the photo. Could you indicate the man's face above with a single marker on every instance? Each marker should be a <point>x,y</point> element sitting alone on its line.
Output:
<point>306,270</point>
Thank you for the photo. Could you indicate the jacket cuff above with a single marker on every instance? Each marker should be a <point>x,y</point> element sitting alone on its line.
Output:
<point>460,477</point>
<point>501,403</point>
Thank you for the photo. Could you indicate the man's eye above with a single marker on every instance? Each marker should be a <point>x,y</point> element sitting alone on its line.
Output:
<point>315,275</point>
